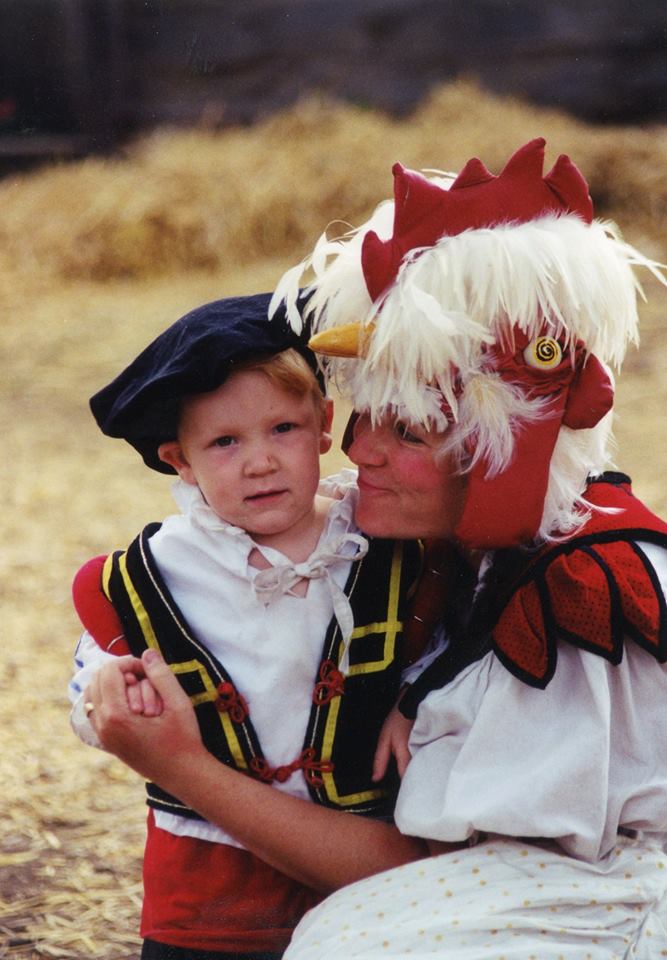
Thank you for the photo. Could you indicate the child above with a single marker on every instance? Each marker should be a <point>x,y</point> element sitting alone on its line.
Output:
<point>282,623</point>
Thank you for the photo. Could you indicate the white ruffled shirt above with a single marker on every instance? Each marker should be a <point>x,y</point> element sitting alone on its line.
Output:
<point>269,640</point>
<point>574,762</point>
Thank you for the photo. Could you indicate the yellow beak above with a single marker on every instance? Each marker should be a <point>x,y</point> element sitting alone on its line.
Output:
<point>348,340</point>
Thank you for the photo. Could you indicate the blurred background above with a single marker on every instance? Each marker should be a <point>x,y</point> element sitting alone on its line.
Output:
<point>158,154</point>
<point>81,75</point>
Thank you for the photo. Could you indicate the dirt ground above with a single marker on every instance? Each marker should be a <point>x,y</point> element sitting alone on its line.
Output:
<point>71,818</point>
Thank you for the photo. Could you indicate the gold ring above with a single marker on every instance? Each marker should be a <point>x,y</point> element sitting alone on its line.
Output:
<point>88,706</point>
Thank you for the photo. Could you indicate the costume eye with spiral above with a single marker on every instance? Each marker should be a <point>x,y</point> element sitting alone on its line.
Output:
<point>543,353</point>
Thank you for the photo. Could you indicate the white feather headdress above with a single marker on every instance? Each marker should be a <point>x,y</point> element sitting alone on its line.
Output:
<point>450,302</point>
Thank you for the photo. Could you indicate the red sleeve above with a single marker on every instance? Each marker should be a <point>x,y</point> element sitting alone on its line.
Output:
<point>96,613</point>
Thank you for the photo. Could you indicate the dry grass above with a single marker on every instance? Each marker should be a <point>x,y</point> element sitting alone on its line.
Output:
<point>97,257</point>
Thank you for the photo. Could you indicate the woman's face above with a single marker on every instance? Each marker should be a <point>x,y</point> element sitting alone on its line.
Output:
<point>404,491</point>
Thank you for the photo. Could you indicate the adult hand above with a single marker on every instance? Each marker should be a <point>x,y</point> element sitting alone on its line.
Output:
<point>151,745</point>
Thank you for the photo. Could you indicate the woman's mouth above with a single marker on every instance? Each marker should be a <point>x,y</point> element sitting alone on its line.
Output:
<point>367,487</point>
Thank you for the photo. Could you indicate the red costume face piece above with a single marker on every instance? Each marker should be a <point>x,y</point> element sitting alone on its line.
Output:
<point>506,509</point>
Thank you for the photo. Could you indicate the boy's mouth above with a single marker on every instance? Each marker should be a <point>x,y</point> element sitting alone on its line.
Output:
<point>265,495</point>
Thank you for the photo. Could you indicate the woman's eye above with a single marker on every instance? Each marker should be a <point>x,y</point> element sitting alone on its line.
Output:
<point>224,441</point>
<point>405,433</point>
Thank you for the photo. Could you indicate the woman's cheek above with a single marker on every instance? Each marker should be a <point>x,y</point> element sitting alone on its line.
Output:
<point>419,470</point>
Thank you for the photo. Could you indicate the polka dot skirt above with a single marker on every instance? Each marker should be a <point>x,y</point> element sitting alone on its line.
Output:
<point>499,900</point>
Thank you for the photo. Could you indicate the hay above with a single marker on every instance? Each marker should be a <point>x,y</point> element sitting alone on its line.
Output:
<point>95,258</point>
<point>206,200</point>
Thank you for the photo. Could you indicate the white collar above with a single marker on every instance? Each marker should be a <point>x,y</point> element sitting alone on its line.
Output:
<point>341,487</point>
<point>341,541</point>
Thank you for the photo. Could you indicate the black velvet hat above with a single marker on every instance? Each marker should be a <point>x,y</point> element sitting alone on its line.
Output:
<point>194,355</point>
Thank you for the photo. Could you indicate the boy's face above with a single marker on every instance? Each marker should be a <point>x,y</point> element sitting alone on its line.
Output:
<point>253,449</point>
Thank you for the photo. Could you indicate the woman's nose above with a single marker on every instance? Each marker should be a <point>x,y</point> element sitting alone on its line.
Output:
<point>367,447</point>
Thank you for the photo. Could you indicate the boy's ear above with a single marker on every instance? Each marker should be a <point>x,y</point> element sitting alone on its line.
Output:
<point>325,438</point>
<point>172,454</point>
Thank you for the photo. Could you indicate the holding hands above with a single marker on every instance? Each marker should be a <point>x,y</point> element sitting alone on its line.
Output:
<point>127,692</point>
<point>141,714</point>
<point>142,697</point>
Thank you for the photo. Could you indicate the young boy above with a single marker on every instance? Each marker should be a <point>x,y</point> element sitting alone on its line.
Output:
<point>281,621</point>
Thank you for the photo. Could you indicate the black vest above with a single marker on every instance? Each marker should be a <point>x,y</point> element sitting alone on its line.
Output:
<point>346,713</point>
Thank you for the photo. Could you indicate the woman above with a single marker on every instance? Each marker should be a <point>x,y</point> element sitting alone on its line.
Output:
<point>490,308</point>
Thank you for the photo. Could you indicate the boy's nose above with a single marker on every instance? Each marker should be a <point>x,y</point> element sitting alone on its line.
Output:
<point>259,462</point>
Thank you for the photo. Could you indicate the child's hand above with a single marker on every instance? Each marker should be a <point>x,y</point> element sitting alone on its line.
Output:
<point>393,739</point>
<point>142,697</point>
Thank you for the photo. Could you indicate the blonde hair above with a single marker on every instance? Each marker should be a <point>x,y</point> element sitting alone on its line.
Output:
<point>290,371</point>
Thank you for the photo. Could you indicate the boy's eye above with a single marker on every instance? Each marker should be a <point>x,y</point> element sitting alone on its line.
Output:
<point>226,441</point>
<point>405,432</point>
<point>284,427</point>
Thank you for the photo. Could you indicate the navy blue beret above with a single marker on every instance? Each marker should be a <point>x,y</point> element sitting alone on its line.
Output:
<point>194,355</point>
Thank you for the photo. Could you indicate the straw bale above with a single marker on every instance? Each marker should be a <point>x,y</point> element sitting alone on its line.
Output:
<point>96,257</point>
<point>200,199</point>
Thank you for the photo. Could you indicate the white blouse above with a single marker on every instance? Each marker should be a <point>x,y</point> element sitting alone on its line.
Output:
<point>574,762</point>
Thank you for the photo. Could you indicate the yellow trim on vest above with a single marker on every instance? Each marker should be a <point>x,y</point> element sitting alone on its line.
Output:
<point>194,666</point>
<point>328,778</point>
<point>208,696</point>
<point>390,627</point>
<point>138,607</point>
<point>188,666</point>
<point>107,570</point>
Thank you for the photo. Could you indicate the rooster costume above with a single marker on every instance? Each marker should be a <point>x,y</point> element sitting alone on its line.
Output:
<point>490,308</point>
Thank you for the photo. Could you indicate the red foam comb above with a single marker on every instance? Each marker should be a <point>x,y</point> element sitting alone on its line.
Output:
<point>424,212</point>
